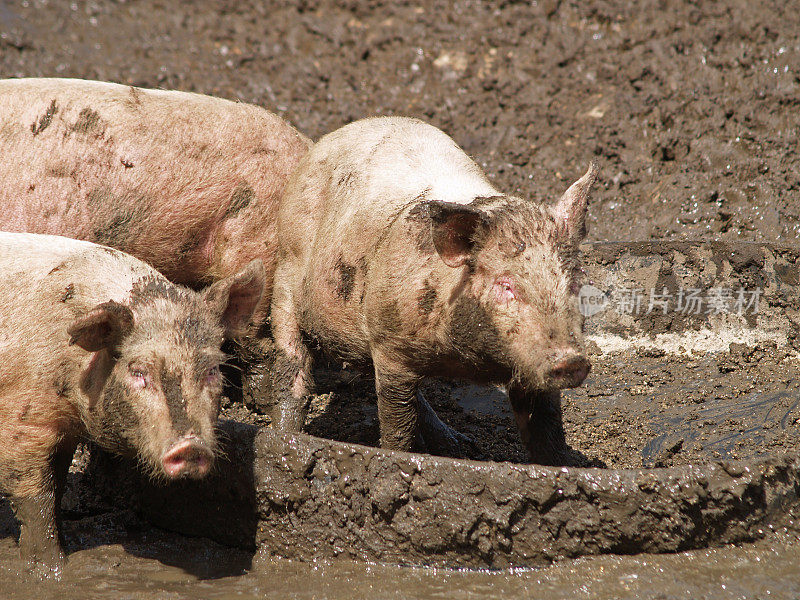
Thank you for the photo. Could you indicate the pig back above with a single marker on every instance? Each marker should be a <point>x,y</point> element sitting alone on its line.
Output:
<point>49,280</point>
<point>346,219</point>
<point>185,182</point>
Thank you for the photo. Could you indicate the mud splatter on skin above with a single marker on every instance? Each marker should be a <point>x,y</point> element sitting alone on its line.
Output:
<point>151,288</point>
<point>88,122</point>
<point>134,99</point>
<point>477,340</point>
<point>118,230</point>
<point>69,292</point>
<point>347,276</point>
<point>127,216</point>
<point>241,198</point>
<point>23,414</point>
<point>57,169</point>
<point>195,332</point>
<point>426,299</point>
<point>118,418</point>
<point>176,405</point>
<point>419,221</point>
<point>45,120</point>
<point>61,383</point>
<point>192,330</point>
<point>193,241</point>
<point>347,179</point>
<point>390,317</point>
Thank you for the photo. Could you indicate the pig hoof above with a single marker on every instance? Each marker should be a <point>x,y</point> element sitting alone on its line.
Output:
<point>464,447</point>
<point>453,444</point>
<point>441,439</point>
<point>45,565</point>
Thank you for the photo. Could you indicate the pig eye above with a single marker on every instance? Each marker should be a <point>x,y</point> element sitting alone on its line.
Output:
<point>139,376</point>
<point>504,290</point>
<point>212,375</point>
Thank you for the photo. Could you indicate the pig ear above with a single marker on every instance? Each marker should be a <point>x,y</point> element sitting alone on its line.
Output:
<point>236,298</point>
<point>453,228</point>
<point>104,326</point>
<point>570,211</point>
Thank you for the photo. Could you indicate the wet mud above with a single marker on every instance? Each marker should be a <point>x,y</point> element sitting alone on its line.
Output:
<point>692,112</point>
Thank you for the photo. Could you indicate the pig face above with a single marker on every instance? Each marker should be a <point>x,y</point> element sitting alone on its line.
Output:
<point>516,316</point>
<point>154,380</point>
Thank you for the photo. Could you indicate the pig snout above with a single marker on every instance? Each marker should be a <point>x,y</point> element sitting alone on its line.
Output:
<point>188,457</point>
<point>568,370</point>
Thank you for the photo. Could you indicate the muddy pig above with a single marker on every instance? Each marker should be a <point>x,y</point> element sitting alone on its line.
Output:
<point>396,252</point>
<point>97,345</point>
<point>185,182</point>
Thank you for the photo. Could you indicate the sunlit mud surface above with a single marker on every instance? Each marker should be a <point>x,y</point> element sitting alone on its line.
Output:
<point>151,564</point>
<point>636,409</point>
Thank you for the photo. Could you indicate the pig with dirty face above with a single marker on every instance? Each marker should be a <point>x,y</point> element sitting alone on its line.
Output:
<point>396,252</point>
<point>188,183</point>
<point>96,345</point>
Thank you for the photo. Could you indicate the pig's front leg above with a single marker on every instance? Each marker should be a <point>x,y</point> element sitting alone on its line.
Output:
<point>38,538</point>
<point>35,498</point>
<point>398,405</point>
<point>291,383</point>
<point>257,356</point>
<point>538,416</point>
<point>291,379</point>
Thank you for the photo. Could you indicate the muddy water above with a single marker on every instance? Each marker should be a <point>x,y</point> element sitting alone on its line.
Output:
<point>138,568</point>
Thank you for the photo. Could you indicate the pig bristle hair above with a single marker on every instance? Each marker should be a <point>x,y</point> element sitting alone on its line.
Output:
<point>151,471</point>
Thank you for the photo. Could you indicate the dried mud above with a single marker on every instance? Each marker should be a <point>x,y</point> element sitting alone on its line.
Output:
<point>692,111</point>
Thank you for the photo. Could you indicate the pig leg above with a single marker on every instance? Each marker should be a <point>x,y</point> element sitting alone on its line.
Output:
<point>257,357</point>
<point>292,377</point>
<point>35,498</point>
<point>398,405</point>
<point>538,416</point>
<point>441,439</point>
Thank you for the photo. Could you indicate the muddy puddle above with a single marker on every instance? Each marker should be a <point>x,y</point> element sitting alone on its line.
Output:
<point>150,564</point>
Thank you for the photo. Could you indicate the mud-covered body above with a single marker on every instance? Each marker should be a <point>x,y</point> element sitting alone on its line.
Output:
<point>95,344</point>
<point>395,250</point>
<point>185,182</point>
<point>360,263</point>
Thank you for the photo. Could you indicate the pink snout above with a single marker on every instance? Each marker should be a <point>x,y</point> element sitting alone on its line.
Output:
<point>569,371</point>
<point>187,458</point>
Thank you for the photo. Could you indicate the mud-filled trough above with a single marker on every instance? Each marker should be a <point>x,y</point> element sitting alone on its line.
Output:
<point>693,408</point>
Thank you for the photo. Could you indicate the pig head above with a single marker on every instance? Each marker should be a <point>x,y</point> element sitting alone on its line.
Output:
<point>510,305</point>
